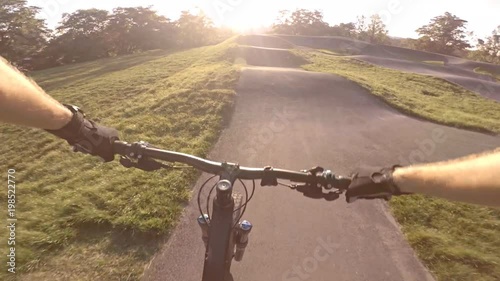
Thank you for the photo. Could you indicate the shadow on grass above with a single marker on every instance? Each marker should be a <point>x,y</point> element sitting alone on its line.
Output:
<point>65,75</point>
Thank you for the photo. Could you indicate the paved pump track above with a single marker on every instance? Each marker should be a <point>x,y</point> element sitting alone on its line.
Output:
<point>295,119</point>
<point>456,70</point>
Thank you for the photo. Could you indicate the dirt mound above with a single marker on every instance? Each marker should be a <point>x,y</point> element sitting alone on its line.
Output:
<point>265,41</point>
<point>272,51</point>
<point>258,56</point>
<point>412,55</point>
<point>421,67</point>
<point>481,84</point>
<point>338,44</point>
<point>456,70</point>
<point>350,46</point>
<point>487,89</point>
<point>493,68</point>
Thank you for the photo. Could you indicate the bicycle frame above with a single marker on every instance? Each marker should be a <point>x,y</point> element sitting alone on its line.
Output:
<point>220,247</point>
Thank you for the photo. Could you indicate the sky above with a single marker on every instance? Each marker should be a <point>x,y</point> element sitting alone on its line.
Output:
<point>402,17</point>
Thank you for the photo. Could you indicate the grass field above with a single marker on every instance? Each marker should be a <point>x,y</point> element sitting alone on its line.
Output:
<point>455,241</point>
<point>86,220</point>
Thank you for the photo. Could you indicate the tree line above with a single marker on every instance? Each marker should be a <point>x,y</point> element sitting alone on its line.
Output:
<point>90,34</point>
<point>305,22</point>
<point>445,34</point>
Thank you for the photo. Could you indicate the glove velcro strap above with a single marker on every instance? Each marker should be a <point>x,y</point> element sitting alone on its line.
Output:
<point>395,189</point>
<point>71,130</point>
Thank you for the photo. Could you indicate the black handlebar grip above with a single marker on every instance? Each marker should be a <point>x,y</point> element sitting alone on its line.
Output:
<point>343,183</point>
<point>120,147</point>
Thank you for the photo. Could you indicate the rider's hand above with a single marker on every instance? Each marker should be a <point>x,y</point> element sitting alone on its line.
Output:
<point>372,185</point>
<point>88,137</point>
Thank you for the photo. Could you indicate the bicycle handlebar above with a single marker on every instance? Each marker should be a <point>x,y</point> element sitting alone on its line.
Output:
<point>141,150</point>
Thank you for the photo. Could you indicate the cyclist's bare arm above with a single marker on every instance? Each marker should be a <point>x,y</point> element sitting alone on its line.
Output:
<point>472,179</point>
<point>22,102</point>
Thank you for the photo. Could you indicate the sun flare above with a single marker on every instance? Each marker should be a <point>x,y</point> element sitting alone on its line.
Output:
<point>242,20</point>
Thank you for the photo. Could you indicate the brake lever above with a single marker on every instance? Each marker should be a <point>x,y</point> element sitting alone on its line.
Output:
<point>316,192</point>
<point>329,179</point>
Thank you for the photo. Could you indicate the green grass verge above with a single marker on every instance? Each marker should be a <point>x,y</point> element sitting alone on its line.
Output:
<point>329,52</point>
<point>80,219</point>
<point>433,62</point>
<point>483,71</point>
<point>455,241</point>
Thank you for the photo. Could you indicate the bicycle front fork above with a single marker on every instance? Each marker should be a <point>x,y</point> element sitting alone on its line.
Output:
<point>240,233</point>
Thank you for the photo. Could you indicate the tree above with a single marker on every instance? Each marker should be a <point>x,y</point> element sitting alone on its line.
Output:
<point>489,50</point>
<point>222,34</point>
<point>301,22</point>
<point>282,23</point>
<point>361,28</point>
<point>444,34</point>
<point>22,35</point>
<point>408,43</point>
<point>83,22</point>
<point>80,37</point>
<point>343,29</point>
<point>376,30</point>
<point>194,30</point>
<point>138,29</point>
<point>91,34</point>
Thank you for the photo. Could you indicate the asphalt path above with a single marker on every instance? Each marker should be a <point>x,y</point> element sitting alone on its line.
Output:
<point>459,74</point>
<point>295,119</point>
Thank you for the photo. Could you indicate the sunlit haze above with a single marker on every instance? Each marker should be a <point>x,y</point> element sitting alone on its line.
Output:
<point>402,17</point>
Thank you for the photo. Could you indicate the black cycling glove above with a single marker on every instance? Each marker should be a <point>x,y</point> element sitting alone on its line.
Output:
<point>372,185</point>
<point>86,136</point>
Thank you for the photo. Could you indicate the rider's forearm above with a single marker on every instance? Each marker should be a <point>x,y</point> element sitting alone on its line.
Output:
<point>22,102</point>
<point>472,179</point>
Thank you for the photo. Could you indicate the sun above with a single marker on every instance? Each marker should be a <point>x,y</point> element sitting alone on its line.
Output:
<point>244,20</point>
